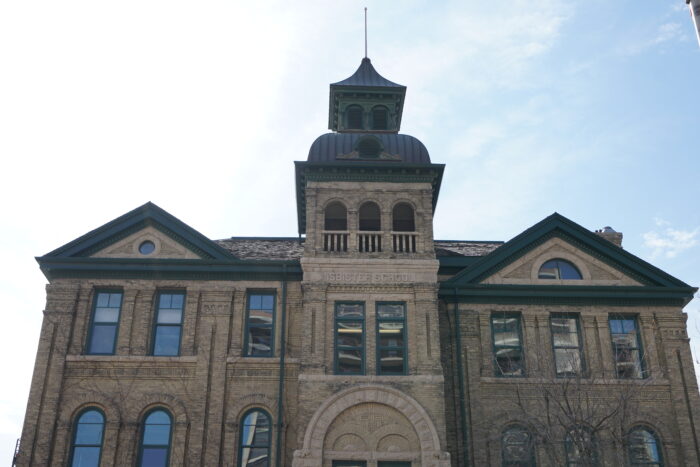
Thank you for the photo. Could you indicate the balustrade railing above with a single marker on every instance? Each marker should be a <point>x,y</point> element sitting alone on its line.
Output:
<point>369,242</point>
<point>335,241</point>
<point>404,242</point>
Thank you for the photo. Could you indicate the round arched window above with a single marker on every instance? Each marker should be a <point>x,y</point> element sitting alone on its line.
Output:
<point>336,217</point>
<point>353,117</point>
<point>370,217</point>
<point>559,269</point>
<point>403,218</point>
<point>644,448</point>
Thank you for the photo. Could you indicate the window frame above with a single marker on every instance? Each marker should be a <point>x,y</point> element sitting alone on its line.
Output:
<point>373,125</point>
<point>93,324</point>
<point>657,440</point>
<point>76,423</point>
<point>497,369</point>
<point>582,357</point>
<point>597,458</point>
<point>156,325</point>
<point>403,348</point>
<point>532,454</point>
<point>347,117</point>
<point>346,463</point>
<point>363,347</point>
<point>271,326</point>
<point>241,446</point>
<point>142,445</point>
<point>644,372</point>
<point>558,260</point>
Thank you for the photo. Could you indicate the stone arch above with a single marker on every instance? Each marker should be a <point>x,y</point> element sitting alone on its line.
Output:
<point>248,402</point>
<point>167,401</point>
<point>93,399</point>
<point>314,437</point>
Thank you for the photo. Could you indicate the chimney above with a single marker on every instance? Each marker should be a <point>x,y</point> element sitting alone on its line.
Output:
<point>610,235</point>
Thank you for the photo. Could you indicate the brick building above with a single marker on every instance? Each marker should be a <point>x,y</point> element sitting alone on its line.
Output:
<point>365,341</point>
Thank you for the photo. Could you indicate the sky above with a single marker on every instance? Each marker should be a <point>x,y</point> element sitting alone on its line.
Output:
<point>589,109</point>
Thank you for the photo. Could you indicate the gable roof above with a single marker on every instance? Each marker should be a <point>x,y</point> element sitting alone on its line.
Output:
<point>147,215</point>
<point>557,225</point>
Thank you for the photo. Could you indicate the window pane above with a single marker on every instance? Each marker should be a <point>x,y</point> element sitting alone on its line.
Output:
<point>568,361</point>
<point>158,417</point>
<point>568,271</point>
<point>391,361</point>
<point>156,434</point>
<point>154,457</point>
<point>549,270</point>
<point>255,302</point>
<point>169,316</point>
<point>106,315</point>
<point>643,448</point>
<point>115,300</point>
<point>92,416</point>
<point>178,301</point>
<point>628,364</point>
<point>509,362</point>
<point>102,339</point>
<point>391,334</point>
<point>389,311</point>
<point>259,341</point>
<point>167,341</point>
<point>350,310</point>
<point>103,299</point>
<point>89,433</point>
<point>165,300</point>
<point>349,361</point>
<point>349,333</point>
<point>260,317</point>
<point>86,457</point>
<point>517,447</point>
<point>267,302</point>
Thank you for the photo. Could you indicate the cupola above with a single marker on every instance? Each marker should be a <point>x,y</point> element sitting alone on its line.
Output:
<point>366,102</point>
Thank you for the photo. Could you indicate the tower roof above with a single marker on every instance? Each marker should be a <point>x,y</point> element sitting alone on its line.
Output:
<point>366,75</point>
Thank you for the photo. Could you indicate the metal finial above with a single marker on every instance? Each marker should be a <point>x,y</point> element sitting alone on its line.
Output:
<point>365,32</point>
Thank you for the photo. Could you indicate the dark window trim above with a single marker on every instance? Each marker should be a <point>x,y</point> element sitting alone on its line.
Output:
<point>154,329</point>
<point>386,121</point>
<point>657,439</point>
<point>496,367</point>
<point>532,451</point>
<point>76,421</point>
<point>240,435</point>
<point>93,324</point>
<point>579,334</point>
<point>570,263</point>
<point>363,118</point>
<point>142,445</point>
<point>271,326</point>
<point>344,463</point>
<point>404,347</point>
<point>640,347</point>
<point>363,348</point>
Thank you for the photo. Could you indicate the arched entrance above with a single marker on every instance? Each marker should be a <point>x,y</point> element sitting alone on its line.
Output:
<point>371,424</point>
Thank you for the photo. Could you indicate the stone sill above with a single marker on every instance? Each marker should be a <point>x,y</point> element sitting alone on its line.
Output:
<point>373,378</point>
<point>583,381</point>
<point>130,359</point>
<point>255,361</point>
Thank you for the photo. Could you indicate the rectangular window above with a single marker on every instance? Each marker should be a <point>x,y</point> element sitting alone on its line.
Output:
<point>102,339</point>
<point>168,324</point>
<point>566,342</point>
<point>260,325</point>
<point>391,338</point>
<point>349,338</point>
<point>627,347</point>
<point>507,344</point>
<point>349,464</point>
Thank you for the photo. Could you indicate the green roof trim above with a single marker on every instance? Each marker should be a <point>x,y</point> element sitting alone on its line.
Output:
<point>362,171</point>
<point>559,226</point>
<point>129,268</point>
<point>567,294</point>
<point>147,215</point>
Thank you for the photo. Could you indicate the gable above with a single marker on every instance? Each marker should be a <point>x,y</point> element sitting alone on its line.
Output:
<point>606,259</point>
<point>594,271</point>
<point>164,247</point>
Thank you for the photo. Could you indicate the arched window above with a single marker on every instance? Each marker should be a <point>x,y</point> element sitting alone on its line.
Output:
<point>255,439</point>
<point>644,448</point>
<point>581,448</point>
<point>517,449</point>
<point>353,117</point>
<point>336,217</point>
<point>370,218</point>
<point>380,118</point>
<point>559,269</point>
<point>403,218</point>
<point>155,439</point>
<point>87,439</point>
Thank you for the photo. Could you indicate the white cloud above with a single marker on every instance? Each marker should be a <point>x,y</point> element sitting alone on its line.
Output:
<point>670,242</point>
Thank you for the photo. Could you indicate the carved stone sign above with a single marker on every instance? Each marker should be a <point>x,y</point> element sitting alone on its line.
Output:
<point>369,277</point>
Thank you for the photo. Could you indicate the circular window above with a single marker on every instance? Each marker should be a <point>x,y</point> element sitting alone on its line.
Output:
<point>147,247</point>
